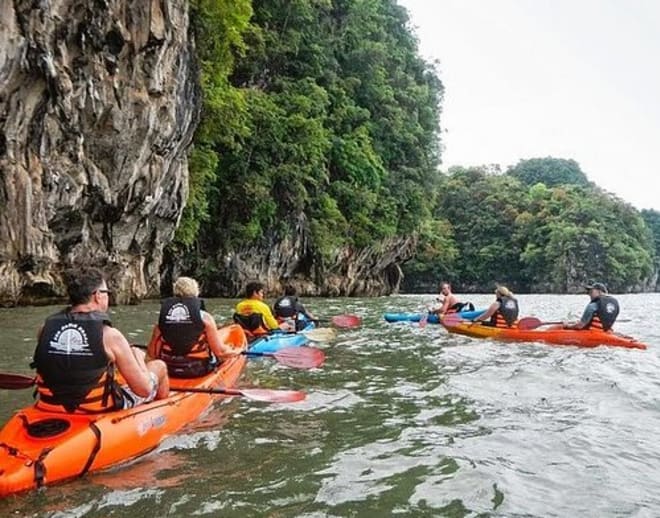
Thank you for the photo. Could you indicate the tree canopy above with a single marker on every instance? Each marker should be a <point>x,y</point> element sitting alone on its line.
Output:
<point>321,113</point>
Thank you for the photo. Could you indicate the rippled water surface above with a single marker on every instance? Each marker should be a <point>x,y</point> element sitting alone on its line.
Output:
<point>401,420</point>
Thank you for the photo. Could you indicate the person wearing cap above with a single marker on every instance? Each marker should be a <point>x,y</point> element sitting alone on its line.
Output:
<point>503,312</point>
<point>288,308</point>
<point>600,313</point>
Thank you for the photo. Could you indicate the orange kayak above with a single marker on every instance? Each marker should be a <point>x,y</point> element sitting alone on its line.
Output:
<point>553,335</point>
<point>38,447</point>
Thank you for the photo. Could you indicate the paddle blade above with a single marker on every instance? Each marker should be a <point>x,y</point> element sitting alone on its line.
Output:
<point>10,381</point>
<point>269,396</point>
<point>321,334</point>
<point>300,357</point>
<point>452,320</point>
<point>346,320</point>
<point>529,323</point>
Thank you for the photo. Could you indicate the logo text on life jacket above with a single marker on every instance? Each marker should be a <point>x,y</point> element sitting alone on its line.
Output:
<point>178,314</point>
<point>71,339</point>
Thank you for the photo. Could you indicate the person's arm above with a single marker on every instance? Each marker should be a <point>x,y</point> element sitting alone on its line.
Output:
<point>492,309</point>
<point>152,347</point>
<point>218,348</point>
<point>268,317</point>
<point>585,319</point>
<point>119,351</point>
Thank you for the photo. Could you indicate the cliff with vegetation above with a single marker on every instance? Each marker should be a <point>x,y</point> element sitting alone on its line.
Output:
<point>289,141</point>
<point>316,165</point>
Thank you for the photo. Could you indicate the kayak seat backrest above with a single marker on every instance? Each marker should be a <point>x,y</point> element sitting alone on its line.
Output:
<point>251,322</point>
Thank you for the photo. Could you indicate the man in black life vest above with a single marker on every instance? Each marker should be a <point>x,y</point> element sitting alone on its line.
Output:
<point>600,313</point>
<point>186,337</point>
<point>78,351</point>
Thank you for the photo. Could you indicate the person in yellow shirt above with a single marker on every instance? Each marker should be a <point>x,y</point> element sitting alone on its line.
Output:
<point>254,315</point>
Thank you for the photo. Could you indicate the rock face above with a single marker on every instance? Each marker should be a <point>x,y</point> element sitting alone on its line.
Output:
<point>369,271</point>
<point>98,104</point>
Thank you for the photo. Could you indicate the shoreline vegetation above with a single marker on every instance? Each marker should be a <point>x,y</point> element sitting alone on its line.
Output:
<point>336,117</point>
<point>316,161</point>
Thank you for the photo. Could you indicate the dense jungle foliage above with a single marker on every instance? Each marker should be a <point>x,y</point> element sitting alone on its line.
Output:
<point>313,107</point>
<point>542,227</point>
<point>322,111</point>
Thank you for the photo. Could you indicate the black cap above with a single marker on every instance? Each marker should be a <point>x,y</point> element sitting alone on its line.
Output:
<point>597,286</point>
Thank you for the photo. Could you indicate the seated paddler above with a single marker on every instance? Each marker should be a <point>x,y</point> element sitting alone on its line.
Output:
<point>601,312</point>
<point>254,315</point>
<point>84,365</point>
<point>186,337</point>
<point>503,312</point>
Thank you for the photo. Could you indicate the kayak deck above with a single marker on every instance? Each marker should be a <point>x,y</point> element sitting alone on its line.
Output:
<point>278,340</point>
<point>39,447</point>
<point>431,319</point>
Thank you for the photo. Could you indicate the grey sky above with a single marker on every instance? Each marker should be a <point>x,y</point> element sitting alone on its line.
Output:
<point>534,78</point>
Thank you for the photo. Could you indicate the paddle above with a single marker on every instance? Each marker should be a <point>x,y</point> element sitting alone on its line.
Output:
<point>529,323</point>
<point>11,381</point>
<point>455,319</point>
<point>266,395</point>
<point>424,320</point>
<point>297,357</point>
<point>345,321</point>
<point>320,334</point>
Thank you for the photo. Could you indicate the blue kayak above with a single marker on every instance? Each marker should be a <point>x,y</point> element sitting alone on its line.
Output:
<point>432,319</point>
<point>277,340</point>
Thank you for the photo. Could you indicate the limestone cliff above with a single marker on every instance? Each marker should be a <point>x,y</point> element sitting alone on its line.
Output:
<point>349,271</point>
<point>98,104</point>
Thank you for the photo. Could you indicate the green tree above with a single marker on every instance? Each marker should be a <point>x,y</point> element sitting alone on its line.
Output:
<point>337,128</point>
<point>549,171</point>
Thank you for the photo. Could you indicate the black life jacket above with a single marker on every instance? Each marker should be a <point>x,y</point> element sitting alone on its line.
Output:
<point>73,369</point>
<point>286,307</point>
<point>180,323</point>
<point>183,346</point>
<point>606,313</point>
<point>461,306</point>
<point>507,314</point>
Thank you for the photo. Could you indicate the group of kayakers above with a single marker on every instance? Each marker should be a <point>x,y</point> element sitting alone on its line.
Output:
<point>85,365</point>
<point>600,313</point>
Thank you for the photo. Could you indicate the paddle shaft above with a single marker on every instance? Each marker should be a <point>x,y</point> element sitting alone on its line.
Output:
<point>265,395</point>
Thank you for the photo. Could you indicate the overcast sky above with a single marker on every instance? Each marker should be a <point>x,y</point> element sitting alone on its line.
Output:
<point>573,79</point>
